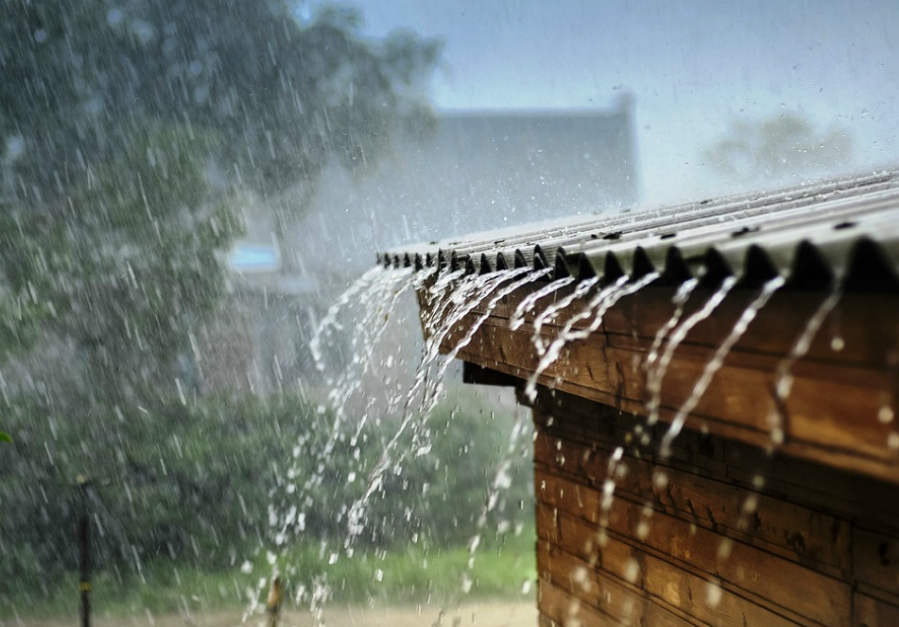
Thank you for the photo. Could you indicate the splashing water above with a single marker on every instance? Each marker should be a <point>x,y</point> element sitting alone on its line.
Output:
<point>597,308</point>
<point>553,309</point>
<point>377,294</point>
<point>656,375</point>
<point>679,301</point>
<point>431,395</point>
<point>472,291</point>
<point>528,302</point>
<point>329,322</point>
<point>717,360</point>
<point>455,306</point>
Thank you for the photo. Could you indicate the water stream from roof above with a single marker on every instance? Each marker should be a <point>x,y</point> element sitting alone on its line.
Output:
<point>529,301</point>
<point>378,301</point>
<point>594,311</point>
<point>293,501</point>
<point>554,309</point>
<point>783,380</point>
<point>717,360</point>
<point>457,306</point>
<point>712,366</point>
<point>431,394</point>
<point>679,301</point>
<point>656,374</point>
<point>470,292</point>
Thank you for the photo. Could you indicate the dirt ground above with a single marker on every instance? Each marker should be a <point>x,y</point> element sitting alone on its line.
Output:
<point>487,614</point>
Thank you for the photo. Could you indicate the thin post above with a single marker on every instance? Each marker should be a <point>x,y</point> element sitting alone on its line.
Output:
<point>84,543</point>
<point>273,604</point>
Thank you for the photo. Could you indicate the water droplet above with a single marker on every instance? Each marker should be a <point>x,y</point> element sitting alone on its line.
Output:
<point>725,548</point>
<point>886,414</point>
<point>332,559</point>
<point>580,575</point>
<point>713,594</point>
<point>837,344</point>
<point>379,575</point>
<point>660,480</point>
<point>632,571</point>
<point>750,504</point>
<point>643,530</point>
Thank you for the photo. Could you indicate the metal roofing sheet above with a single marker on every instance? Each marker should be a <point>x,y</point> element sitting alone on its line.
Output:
<point>845,230</point>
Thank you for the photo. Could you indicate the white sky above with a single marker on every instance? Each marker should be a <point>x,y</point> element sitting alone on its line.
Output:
<point>691,65</point>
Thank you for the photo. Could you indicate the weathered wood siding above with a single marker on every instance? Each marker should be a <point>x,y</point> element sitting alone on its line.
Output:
<point>834,411</point>
<point>720,533</point>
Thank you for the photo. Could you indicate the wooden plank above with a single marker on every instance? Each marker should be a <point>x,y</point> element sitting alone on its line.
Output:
<point>815,485</point>
<point>876,559</point>
<point>871,612</point>
<point>614,604</point>
<point>764,575</point>
<point>675,589</point>
<point>564,610</point>
<point>580,539</point>
<point>835,406</point>
<point>800,533</point>
<point>555,415</point>
<point>865,322</point>
<point>618,598</point>
<point>843,432</point>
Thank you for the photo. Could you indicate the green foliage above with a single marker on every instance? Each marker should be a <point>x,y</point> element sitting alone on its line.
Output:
<point>777,148</point>
<point>413,573</point>
<point>116,116</point>
<point>190,486</point>
<point>4,437</point>
<point>186,482</point>
<point>284,95</point>
<point>125,266</point>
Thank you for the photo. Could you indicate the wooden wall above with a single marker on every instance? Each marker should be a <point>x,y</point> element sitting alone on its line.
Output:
<point>690,541</point>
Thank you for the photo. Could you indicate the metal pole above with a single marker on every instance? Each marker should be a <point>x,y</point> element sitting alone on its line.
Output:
<point>84,542</point>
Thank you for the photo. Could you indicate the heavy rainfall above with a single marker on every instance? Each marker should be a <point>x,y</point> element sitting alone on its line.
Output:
<point>223,401</point>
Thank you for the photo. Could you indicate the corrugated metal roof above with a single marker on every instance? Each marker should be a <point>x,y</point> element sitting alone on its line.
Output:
<point>845,230</point>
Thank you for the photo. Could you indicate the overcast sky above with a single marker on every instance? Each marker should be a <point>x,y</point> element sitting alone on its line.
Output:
<point>691,65</point>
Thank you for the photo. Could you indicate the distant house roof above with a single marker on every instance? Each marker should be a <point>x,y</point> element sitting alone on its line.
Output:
<point>845,229</point>
<point>476,171</point>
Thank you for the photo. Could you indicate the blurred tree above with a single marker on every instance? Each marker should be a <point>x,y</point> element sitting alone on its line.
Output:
<point>285,96</point>
<point>778,148</point>
<point>127,263</point>
<point>122,119</point>
<point>125,127</point>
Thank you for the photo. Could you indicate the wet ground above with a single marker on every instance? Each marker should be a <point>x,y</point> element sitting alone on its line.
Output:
<point>488,614</point>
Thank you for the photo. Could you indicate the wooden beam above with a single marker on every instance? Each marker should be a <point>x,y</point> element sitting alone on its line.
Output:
<point>840,408</point>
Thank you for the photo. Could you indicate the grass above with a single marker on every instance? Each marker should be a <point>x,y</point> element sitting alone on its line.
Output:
<point>415,574</point>
<point>386,577</point>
